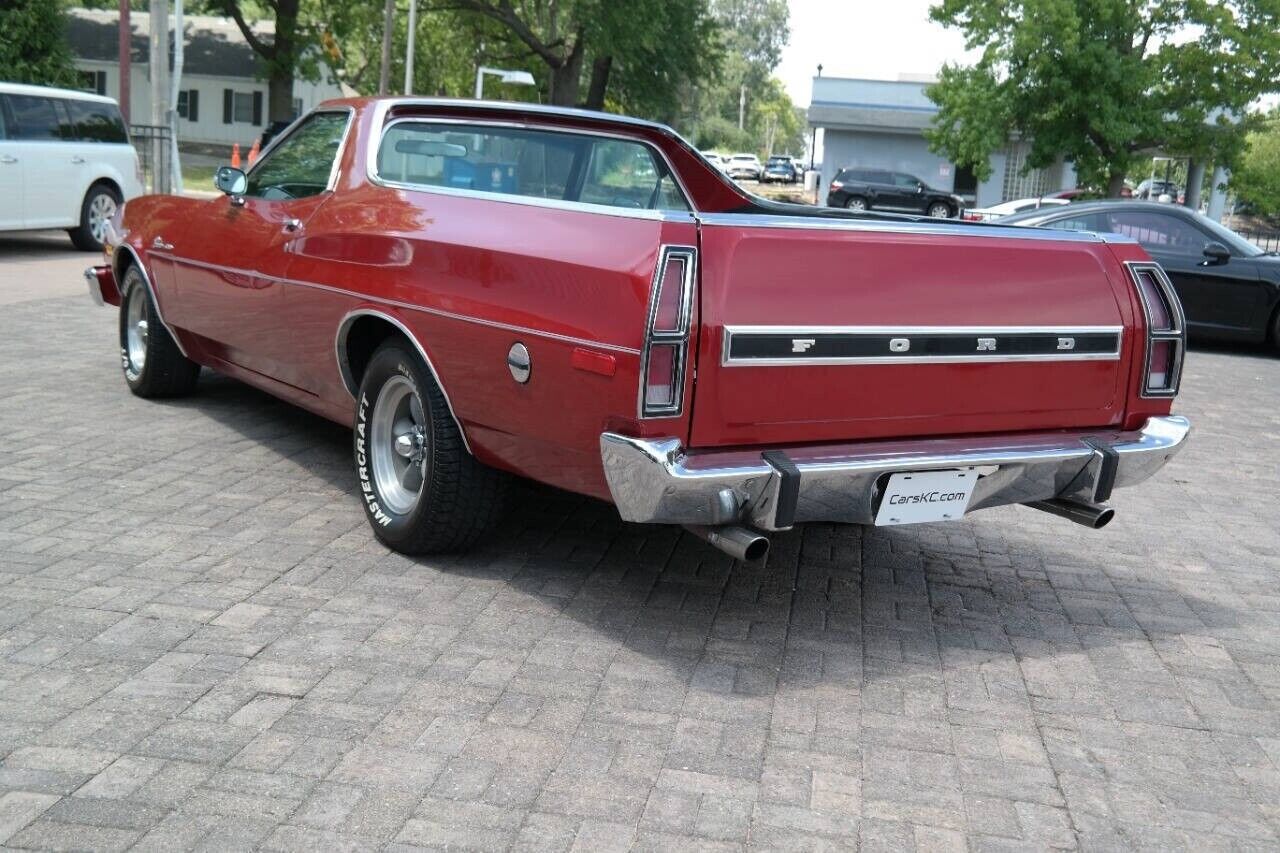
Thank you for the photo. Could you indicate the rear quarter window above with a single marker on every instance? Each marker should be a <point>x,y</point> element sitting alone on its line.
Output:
<point>32,117</point>
<point>94,121</point>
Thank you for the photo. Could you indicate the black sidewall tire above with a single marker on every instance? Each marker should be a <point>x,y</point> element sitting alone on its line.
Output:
<point>166,372</point>
<point>82,236</point>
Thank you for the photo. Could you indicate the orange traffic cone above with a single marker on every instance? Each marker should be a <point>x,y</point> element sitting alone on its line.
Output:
<point>253,153</point>
<point>235,155</point>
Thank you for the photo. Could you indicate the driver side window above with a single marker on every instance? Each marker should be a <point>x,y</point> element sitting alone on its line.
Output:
<point>301,164</point>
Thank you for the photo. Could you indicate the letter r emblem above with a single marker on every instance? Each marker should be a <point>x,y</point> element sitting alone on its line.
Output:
<point>986,345</point>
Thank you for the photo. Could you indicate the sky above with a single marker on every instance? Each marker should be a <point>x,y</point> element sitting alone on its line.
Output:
<point>877,39</point>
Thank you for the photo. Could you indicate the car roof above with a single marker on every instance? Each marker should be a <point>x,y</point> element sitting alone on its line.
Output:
<point>1062,211</point>
<point>52,92</point>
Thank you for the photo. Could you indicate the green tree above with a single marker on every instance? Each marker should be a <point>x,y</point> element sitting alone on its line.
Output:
<point>34,46</point>
<point>294,50</point>
<point>1097,81</point>
<point>1257,179</point>
<point>632,54</point>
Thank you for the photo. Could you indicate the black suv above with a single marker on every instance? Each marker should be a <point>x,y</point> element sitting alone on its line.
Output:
<point>865,189</point>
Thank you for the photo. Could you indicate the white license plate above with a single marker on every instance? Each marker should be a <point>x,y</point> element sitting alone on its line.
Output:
<point>920,496</point>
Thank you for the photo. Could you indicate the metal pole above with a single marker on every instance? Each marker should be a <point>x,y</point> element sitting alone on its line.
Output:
<point>388,24</point>
<point>159,69</point>
<point>179,36</point>
<point>480,82</point>
<point>742,104</point>
<point>408,51</point>
<point>126,57</point>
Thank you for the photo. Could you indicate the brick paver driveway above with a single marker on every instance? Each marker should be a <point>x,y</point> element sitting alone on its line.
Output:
<point>202,646</point>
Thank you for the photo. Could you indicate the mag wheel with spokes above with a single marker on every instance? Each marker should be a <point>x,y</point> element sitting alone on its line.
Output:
<point>422,491</point>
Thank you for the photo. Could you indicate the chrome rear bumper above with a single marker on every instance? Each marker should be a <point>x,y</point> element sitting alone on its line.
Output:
<point>658,481</point>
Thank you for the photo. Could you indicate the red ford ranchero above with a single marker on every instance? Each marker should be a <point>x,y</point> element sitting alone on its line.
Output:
<point>483,290</point>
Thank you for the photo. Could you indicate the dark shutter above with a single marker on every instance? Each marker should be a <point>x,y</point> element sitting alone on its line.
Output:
<point>227,107</point>
<point>257,109</point>
<point>193,105</point>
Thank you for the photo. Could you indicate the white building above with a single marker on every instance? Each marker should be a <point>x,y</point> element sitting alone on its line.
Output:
<point>223,98</point>
<point>880,124</point>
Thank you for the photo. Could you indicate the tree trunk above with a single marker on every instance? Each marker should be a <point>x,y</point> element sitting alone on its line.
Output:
<point>1115,183</point>
<point>281,66</point>
<point>566,79</point>
<point>600,70</point>
<point>280,96</point>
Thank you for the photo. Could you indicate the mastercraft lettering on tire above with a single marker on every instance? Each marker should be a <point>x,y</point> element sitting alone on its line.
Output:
<point>389,285</point>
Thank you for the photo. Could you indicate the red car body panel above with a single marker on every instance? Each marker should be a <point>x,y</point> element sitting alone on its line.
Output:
<point>261,292</point>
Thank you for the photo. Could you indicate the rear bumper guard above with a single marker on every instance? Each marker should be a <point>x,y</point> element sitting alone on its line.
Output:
<point>658,481</point>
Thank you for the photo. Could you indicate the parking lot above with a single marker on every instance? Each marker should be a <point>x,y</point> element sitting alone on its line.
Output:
<point>202,646</point>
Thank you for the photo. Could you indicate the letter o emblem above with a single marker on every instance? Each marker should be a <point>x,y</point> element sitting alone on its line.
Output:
<point>899,344</point>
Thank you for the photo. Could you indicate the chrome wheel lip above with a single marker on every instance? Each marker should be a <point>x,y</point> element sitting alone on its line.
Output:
<point>398,425</point>
<point>136,331</point>
<point>102,207</point>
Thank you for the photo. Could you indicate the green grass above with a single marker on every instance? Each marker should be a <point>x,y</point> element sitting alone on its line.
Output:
<point>198,178</point>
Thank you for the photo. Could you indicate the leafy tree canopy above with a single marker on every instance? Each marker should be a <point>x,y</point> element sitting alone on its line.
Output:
<point>1097,81</point>
<point>1257,180</point>
<point>34,47</point>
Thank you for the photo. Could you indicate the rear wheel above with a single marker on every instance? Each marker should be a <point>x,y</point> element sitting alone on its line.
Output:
<point>423,492</point>
<point>152,363</point>
<point>1275,330</point>
<point>940,210</point>
<point>856,202</point>
<point>99,205</point>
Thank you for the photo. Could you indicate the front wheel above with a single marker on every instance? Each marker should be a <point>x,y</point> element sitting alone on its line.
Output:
<point>152,363</point>
<point>422,491</point>
<point>940,210</point>
<point>856,202</point>
<point>99,205</point>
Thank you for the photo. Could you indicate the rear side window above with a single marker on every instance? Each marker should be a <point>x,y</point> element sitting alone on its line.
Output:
<point>529,163</point>
<point>1078,222</point>
<point>1157,231</point>
<point>32,117</point>
<point>95,121</point>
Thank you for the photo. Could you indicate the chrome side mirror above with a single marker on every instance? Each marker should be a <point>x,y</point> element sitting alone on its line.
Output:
<point>231,181</point>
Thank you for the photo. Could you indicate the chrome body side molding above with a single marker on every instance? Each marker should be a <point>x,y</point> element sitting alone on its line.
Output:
<point>658,481</point>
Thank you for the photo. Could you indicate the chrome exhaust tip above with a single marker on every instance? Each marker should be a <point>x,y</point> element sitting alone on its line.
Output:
<point>738,542</point>
<point>1091,515</point>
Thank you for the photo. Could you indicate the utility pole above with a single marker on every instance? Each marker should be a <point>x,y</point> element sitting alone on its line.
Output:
<point>175,165</point>
<point>158,60</point>
<point>742,104</point>
<point>388,25</point>
<point>408,51</point>
<point>126,56</point>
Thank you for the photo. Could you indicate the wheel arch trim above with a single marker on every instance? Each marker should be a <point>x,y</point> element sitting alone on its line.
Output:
<point>118,266</point>
<point>344,365</point>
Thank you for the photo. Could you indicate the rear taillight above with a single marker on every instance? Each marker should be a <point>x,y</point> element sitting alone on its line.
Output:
<point>1166,330</point>
<point>835,185</point>
<point>662,362</point>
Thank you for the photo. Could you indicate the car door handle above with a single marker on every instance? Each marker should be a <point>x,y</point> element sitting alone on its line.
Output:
<point>292,225</point>
<point>7,159</point>
<point>77,160</point>
<point>159,243</point>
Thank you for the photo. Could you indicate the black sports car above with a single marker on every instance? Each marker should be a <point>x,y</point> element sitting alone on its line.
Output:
<point>1229,287</point>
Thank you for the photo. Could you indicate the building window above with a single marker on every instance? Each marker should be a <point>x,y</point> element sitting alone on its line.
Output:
<point>94,81</point>
<point>241,107</point>
<point>189,104</point>
<point>297,107</point>
<point>1020,180</point>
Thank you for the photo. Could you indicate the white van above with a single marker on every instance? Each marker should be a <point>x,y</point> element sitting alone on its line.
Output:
<point>65,161</point>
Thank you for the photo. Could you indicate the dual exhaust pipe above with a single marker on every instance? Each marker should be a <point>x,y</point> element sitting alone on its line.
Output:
<point>748,546</point>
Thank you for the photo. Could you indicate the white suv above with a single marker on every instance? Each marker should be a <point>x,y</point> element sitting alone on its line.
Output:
<point>65,162</point>
<point>745,166</point>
